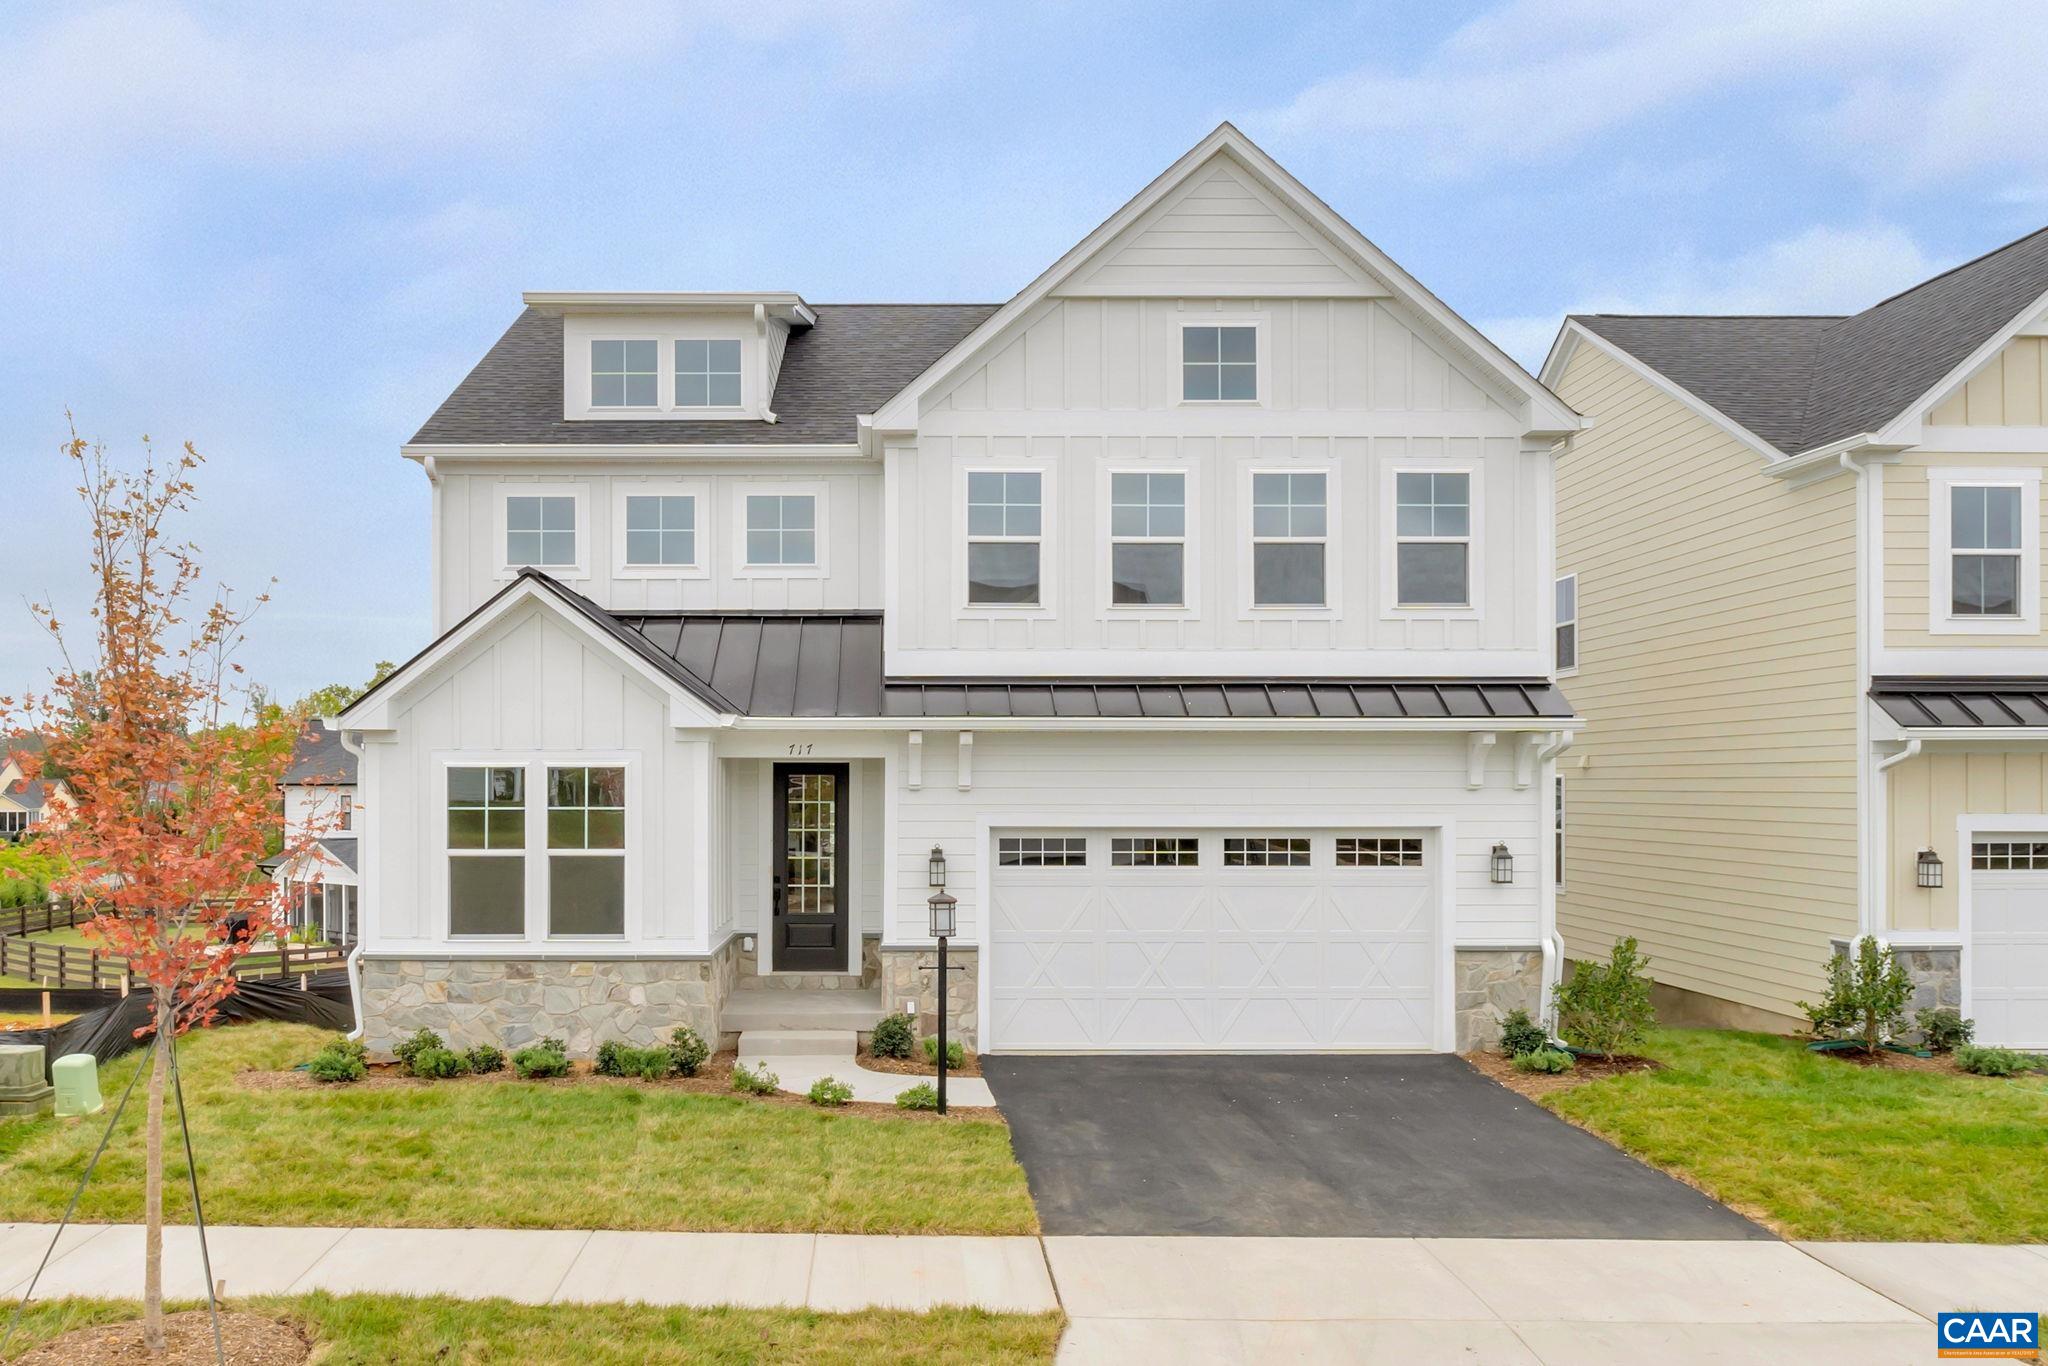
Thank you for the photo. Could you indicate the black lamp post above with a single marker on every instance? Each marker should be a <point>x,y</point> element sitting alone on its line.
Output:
<point>942,927</point>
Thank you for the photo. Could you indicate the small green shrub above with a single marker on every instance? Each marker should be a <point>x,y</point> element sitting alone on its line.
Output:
<point>1996,1062</point>
<point>339,1061</point>
<point>1944,1029</point>
<point>1552,1060</point>
<point>608,1055</point>
<point>1866,997</point>
<point>437,1064</point>
<point>923,1096</point>
<point>687,1051</point>
<point>408,1049</point>
<point>1605,1007</point>
<point>485,1058</point>
<point>893,1037</point>
<point>1519,1034</point>
<point>830,1091</point>
<point>544,1059</point>
<point>550,1041</point>
<point>648,1064</point>
<point>956,1054</point>
<point>756,1080</point>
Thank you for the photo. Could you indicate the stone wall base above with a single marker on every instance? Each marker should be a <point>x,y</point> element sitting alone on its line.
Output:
<point>749,967</point>
<point>909,975</point>
<point>514,1002</point>
<point>1490,983</point>
<point>1936,973</point>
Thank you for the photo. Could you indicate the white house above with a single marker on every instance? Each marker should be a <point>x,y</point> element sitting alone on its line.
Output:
<point>320,884</point>
<point>27,802</point>
<point>1192,606</point>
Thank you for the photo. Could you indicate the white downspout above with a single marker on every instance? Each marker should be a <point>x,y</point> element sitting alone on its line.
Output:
<point>354,962</point>
<point>1550,940</point>
<point>1864,905</point>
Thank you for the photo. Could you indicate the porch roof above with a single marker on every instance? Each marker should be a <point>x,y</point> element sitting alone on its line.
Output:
<point>1963,703</point>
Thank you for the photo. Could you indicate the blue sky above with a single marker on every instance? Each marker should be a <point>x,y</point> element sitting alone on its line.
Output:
<point>285,232</point>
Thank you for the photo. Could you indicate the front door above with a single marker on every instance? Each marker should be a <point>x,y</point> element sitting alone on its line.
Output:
<point>811,871</point>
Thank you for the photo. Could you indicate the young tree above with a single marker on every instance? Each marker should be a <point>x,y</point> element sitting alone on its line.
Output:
<point>173,804</point>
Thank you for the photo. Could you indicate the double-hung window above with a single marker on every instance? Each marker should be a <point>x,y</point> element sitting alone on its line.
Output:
<point>1219,364</point>
<point>1568,623</point>
<point>1005,530</point>
<point>782,529</point>
<point>1290,539</point>
<point>1984,550</point>
<point>486,851</point>
<point>707,374</point>
<point>623,374</point>
<point>1148,522</point>
<point>540,531</point>
<point>1433,539</point>
<point>661,530</point>
<point>586,851</point>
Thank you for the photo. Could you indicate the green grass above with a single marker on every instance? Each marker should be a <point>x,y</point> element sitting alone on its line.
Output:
<point>518,1154</point>
<point>1827,1149</point>
<point>348,1330</point>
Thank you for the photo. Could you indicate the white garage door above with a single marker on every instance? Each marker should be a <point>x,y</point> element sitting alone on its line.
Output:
<point>1126,940</point>
<point>2008,966</point>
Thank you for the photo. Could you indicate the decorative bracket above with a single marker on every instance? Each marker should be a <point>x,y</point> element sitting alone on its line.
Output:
<point>916,760</point>
<point>966,760</point>
<point>1475,758</point>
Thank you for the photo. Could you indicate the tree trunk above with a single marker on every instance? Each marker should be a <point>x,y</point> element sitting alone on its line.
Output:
<point>153,1184</point>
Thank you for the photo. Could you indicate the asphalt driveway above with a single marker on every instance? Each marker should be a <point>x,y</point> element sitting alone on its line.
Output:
<point>1322,1146</point>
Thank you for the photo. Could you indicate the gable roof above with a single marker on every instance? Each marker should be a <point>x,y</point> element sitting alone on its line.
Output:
<point>848,363</point>
<point>1805,382</point>
<point>318,756</point>
<point>30,794</point>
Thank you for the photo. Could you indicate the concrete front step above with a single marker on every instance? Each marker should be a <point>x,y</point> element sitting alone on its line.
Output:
<point>755,1010</point>
<point>808,1043</point>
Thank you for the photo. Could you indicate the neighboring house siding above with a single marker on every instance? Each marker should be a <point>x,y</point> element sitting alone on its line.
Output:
<point>1907,553</point>
<point>1928,793</point>
<point>1711,802</point>
<point>2009,391</point>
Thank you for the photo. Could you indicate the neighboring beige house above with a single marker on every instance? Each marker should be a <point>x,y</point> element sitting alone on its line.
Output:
<point>26,802</point>
<point>1800,607</point>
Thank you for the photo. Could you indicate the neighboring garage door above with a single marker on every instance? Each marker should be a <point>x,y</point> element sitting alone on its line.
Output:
<point>2008,967</point>
<point>1132,940</point>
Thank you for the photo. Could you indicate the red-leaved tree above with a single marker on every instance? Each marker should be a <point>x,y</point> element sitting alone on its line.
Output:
<point>174,803</point>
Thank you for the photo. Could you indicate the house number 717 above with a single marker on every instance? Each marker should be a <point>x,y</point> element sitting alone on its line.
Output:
<point>799,749</point>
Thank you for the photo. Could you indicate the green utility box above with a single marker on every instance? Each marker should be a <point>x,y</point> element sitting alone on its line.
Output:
<point>22,1088</point>
<point>77,1076</point>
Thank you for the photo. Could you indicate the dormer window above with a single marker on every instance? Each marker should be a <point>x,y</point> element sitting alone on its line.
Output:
<point>707,374</point>
<point>623,374</point>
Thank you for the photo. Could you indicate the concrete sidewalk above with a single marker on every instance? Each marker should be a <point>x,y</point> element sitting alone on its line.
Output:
<point>1183,1299</point>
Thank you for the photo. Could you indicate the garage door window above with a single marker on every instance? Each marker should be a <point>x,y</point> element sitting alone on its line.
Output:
<point>1047,851</point>
<point>1999,856</point>
<point>1154,851</point>
<point>1284,852</point>
<point>1379,851</point>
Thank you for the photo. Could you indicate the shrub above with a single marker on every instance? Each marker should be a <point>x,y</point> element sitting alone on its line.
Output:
<point>956,1054</point>
<point>1866,997</point>
<point>648,1064</point>
<point>830,1091</point>
<point>438,1064</point>
<point>687,1051</point>
<point>1995,1062</point>
<point>408,1049</point>
<point>1944,1029</point>
<point>338,1061</point>
<point>551,1042</point>
<point>893,1036</point>
<point>923,1096</point>
<point>608,1054</point>
<point>1605,1008</point>
<point>1551,1060</point>
<point>485,1058</point>
<point>1519,1034</point>
<point>544,1059</point>
<point>756,1080</point>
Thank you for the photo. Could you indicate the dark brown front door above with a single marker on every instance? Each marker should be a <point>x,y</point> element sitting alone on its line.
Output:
<point>810,867</point>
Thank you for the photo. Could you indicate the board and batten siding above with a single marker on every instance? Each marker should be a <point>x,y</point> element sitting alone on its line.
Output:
<point>1907,548</point>
<point>2010,390</point>
<point>1269,783</point>
<point>1711,802</point>
<point>1927,793</point>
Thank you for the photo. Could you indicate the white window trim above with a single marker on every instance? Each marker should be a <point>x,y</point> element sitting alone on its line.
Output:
<point>1190,563</point>
<point>1047,539</point>
<point>1474,539</point>
<point>1557,624</point>
<point>698,489</point>
<point>536,766</point>
<point>816,491</point>
<point>670,356</point>
<point>589,362</point>
<point>578,334</point>
<point>1263,371</point>
<point>1941,621</point>
<point>1249,608</point>
<point>580,492</point>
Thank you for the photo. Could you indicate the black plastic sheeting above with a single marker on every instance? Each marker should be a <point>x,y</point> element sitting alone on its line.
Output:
<point>109,1032</point>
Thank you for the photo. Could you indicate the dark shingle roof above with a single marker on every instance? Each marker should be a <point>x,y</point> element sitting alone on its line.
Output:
<point>343,847</point>
<point>1802,382</point>
<point>318,757</point>
<point>31,794</point>
<point>855,359</point>
<point>1964,703</point>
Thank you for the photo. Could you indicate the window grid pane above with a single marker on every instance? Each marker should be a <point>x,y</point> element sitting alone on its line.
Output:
<point>1379,851</point>
<point>486,808</point>
<point>1290,851</point>
<point>707,374</point>
<point>2009,855</point>
<point>1042,851</point>
<point>1219,363</point>
<point>1005,512</point>
<point>1154,851</point>
<point>782,529</point>
<point>661,529</point>
<point>540,531</point>
<point>622,374</point>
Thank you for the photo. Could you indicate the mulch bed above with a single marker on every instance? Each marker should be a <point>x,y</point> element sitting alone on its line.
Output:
<point>714,1077</point>
<point>1536,1085</point>
<point>916,1066</point>
<point>247,1340</point>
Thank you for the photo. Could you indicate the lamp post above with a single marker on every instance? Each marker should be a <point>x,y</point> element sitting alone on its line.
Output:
<point>942,927</point>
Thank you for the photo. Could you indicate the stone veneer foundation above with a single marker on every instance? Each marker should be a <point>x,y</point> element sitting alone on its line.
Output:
<point>512,1002</point>
<point>870,971</point>
<point>910,975</point>
<point>1936,974</point>
<point>1489,983</point>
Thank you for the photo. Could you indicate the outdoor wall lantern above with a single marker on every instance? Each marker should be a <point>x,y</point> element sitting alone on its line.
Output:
<point>1929,867</point>
<point>1503,864</point>
<point>935,870</point>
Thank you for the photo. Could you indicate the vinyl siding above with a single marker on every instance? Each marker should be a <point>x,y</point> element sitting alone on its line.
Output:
<point>1927,794</point>
<point>1907,565</point>
<point>1711,802</point>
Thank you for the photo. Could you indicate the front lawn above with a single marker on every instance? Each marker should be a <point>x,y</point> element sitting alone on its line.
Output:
<point>348,1330</point>
<point>614,1155</point>
<point>1822,1148</point>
